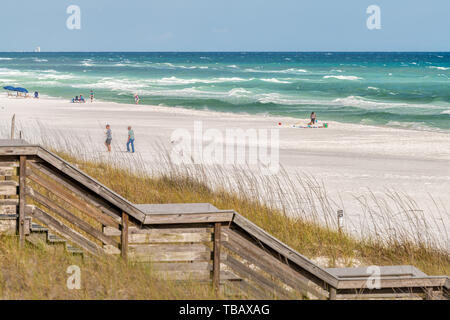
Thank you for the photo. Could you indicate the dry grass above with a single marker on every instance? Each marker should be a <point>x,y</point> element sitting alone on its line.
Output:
<point>31,273</point>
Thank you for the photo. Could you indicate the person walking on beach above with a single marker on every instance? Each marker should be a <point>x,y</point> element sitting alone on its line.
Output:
<point>313,118</point>
<point>136,98</point>
<point>108,137</point>
<point>130,139</point>
<point>92,96</point>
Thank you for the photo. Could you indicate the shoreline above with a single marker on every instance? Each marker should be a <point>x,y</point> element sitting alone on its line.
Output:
<point>276,119</point>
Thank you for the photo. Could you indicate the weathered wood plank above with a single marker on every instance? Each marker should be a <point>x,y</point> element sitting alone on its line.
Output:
<point>9,162</point>
<point>169,237</point>
<point>124,236</point>
<point>372,296</point>
<point>92,199</point>
<point>67,215</point>
<point>18,150</point>
<point>91,184</point>
<point>332,295</point>
<point>209,217</point>
<point>22,198</point>
<point>182,266</point>
<point>112,232</point>
<point>304,263</point>
<point>73,201</point>
<point>216,258</point>
<point>8,188</point>
<point>171,256</point>
<point>255,254</point>
<point>176,256</point>
<point>158,248</point>
<point>8,209</point>
<point>8,171</point>
<point>168,229</point>
<point>63,230</point>
<point>266,284</point>
<point>9,202</point>
<point>197,275</point>
<point>395,282</point>
<point>8,227</point>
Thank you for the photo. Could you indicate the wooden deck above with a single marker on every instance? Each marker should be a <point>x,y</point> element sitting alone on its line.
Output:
<point>182,241</point>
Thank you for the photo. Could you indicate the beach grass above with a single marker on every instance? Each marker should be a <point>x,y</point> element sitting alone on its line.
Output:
<point>42,274</point>
<point>319,241</point>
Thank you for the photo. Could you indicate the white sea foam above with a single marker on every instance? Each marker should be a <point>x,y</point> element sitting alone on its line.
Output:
<point>273,80</point>
<point>373,88</point>
<point>6,59</point>
<point>179,81</point>
<point>238,92</point>
<point>445,112</point>
<point>352,78</point>
<point>439,68</point>
<point>290,70</point>
<point>113,84</point>
<point>56,76</point>
<point>360,102</point>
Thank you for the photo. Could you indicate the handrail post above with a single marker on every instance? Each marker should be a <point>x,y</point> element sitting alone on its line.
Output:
<point>332,293</point>
<point>216,259</point>
<point>22,200</point>
<point>124,236</point>
<point>13,126</point>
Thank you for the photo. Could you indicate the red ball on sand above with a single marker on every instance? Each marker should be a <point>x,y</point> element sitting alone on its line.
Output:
<point>279,123</point>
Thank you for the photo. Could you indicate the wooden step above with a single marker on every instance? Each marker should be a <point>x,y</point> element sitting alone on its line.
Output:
<point>37,228</point>
<point>8,187</point>
<point>54,239</point>
<point>50,239</point>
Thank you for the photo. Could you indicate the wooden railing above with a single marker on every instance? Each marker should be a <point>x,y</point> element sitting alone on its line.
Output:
<point>221,247</point>
<point>51,194</point>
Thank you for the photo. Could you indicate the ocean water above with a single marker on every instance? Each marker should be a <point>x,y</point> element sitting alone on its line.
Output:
<point>410,90</point>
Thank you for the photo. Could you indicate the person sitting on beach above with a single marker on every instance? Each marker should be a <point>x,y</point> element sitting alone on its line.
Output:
<point>36,95</point>
<point>130,139</point>
<point>108,137</point>
<point>313,118</point>
<point>76,99</point>
<point>82,99</point>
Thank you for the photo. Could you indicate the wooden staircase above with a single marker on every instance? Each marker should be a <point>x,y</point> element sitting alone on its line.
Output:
<point>41,236</point>
<point>47,201</point>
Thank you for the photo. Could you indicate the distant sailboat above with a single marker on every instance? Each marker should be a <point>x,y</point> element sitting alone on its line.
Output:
<point>38,49</point>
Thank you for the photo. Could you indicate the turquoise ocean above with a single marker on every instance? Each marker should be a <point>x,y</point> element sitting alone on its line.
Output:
<point>410,90</point>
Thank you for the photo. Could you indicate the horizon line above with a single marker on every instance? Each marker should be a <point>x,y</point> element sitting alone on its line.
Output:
<point>237,51</point>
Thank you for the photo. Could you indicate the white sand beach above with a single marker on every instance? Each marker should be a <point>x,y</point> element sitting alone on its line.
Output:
<point>349,159</point>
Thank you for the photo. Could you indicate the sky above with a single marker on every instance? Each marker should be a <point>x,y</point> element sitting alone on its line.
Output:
<point>225,25</point>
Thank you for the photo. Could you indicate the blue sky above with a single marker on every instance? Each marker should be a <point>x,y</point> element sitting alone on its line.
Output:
<point>225,25</point>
